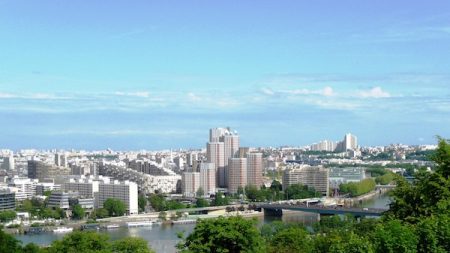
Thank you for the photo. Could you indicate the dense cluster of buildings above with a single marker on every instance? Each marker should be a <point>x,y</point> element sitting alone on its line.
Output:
<point>227,166</point>
<point>350,142</point>
<point>89,178</point>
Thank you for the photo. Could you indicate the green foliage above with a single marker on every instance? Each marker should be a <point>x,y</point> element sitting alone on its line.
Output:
<point>142,203</point>
<point>282,237</point>
<point>159,203</point>
<point>240,190</point>
<point>9,244</point>
<point>376,171</point>
<point>299,191</point>
<point>99,213</point>
<point>220,200</point>
<point>200,192</point>
<point>77,212</point>
<point>91,242</point>
<point>47,193</point>
<point>254,194</point>
<point>234,234</point>
<point>276,185</point>
<point>7,216</point>
<point>429,194</point>
<point>358,188</point>
<point>131,245</point>
<point>31,248</point>
<point>385,179</point>
<point>328,224</point>
<point>201,202</point>
<point>115,207</point>
<point>392,236</point>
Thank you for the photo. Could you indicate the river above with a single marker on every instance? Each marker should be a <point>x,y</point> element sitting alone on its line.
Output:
<point>163,238</point>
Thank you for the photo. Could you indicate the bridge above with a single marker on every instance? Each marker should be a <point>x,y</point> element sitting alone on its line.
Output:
<point>322,210</point>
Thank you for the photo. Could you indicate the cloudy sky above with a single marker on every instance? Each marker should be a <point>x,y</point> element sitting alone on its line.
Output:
<point>159,74</point>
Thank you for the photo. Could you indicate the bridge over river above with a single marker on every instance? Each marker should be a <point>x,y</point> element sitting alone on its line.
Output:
<point>276,209</point>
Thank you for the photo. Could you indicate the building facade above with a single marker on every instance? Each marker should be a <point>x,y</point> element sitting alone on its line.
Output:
<point>315,177</point>
<point>237,174</point>
<point>125,191</point>
<point>254,169</point>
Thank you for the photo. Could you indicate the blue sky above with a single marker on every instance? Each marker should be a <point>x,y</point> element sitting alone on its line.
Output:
<point>159,74</point>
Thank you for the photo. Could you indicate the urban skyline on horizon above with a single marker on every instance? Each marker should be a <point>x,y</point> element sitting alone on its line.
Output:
<point>312,145</point>
<point>151,76</point>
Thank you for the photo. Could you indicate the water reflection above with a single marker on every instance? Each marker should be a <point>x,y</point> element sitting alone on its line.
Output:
<point>164,238</point>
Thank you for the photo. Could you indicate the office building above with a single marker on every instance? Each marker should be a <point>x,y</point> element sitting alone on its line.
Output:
<point>231,147</point>
<point>25,188</point>
<point>254,169</point>
<point>325,145</point>
<point>125,191</point>
<point>237,174</point>
<point>61,159</point>
<point>9,162</point>
<point>60,199</point>
<point>338,176</point>
<point>190,183</point>
<point>208,178</point>
<point>41,188</point>
<point>312,176</point>
<point>7,200</point>
<point>40,170</point>
<point>215,154</point>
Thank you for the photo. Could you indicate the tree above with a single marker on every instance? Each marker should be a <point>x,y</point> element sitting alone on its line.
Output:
<point>234,234</point>
<point>81,242</point>
<point>77,212</point>
<point>131,245</point>
<point>201,202</point>
<point>142,203</point>
<point>99,213</point>
<point>220,200</point>
<point>290,239</point>
<point>31,248</point>
<point>430,193</point>
<point>158,202</point>
<point>47,193</point>
<point>115,207</point>
<point>9,244</point>
<point>240,190</point>
<point>392,236</point>
<point>276,185</point>
<point>200,192</point>
<point>254,194</point>
<point>299,191</point>
<point>7,216</point>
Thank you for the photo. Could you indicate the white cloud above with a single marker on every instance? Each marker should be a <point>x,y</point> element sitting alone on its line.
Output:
<point>375,92</point>
<point>326,91</point>
<point>193,97</point>
<point>7,95</point>
<point>267,91</point>
<point>141,94</point>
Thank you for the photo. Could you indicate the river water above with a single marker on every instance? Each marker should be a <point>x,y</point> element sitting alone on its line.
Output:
<point>163,238</point>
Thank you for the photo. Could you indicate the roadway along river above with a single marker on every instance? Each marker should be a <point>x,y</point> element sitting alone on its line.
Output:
<point>164,238</point>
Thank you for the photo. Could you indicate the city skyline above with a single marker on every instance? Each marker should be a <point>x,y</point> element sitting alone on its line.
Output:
<point>152,76</point>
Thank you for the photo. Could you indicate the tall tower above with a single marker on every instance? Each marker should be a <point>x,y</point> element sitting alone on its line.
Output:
<point>208,178</point>
<point>231,147</point>
<point>215,154</point>
<point>254,169</point>
<point>350,142</point>
<point>237,174</point>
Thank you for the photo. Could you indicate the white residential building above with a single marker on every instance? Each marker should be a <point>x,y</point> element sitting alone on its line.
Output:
<point>125,191</point>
